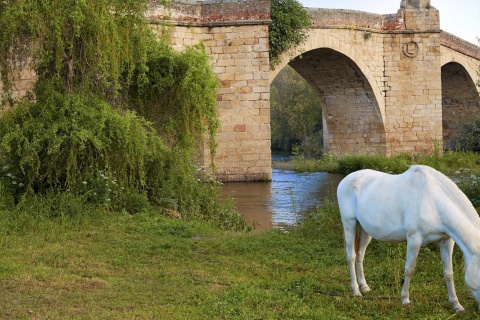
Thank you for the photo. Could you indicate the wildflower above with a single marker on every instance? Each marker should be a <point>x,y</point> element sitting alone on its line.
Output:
<point>84,182</point>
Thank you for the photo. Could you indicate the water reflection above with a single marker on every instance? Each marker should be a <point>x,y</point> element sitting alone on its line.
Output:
<point>276,203</point>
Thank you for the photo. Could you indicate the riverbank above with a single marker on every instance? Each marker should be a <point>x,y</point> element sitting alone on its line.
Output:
<point>146,266</point>
<point>448,163</point>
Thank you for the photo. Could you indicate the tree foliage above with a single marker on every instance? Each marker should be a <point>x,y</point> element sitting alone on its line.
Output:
<point>100,69</point>
<point>296,114</point>
<point>177,86</point>
<point>80,45</point>
<point>288,28</point>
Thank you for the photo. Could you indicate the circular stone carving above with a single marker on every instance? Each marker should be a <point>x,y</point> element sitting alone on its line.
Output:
<point>410,49</point>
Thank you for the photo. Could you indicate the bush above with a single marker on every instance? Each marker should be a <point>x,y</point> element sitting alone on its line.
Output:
<point>288,28</point>
<point>396,164</point>
<point>64,142</point>
<point>468,137</point>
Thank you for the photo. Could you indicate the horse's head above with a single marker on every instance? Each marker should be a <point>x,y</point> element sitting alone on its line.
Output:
<point>472,277</point>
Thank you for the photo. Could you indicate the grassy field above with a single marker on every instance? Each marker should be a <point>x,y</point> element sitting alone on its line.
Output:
<point>117,266</point>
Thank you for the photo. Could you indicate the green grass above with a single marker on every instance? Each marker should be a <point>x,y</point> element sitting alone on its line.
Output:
<point>116,266</point>
<point>448,163</point>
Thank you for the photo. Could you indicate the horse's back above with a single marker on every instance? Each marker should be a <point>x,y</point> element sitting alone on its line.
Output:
<point>372,198</point>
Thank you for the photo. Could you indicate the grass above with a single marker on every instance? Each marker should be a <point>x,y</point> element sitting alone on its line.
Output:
<point>448,163</point>
<point>102,265</point>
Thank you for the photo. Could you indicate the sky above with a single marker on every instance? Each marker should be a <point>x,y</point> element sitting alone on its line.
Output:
<point>458,17</point>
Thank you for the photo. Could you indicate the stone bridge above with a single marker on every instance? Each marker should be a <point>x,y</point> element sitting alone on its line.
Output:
<point>387,84</point>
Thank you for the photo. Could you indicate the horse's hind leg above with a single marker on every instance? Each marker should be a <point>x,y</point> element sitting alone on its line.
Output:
<point>446,251</point>
<point>349,229</point>
<point>363,241</point>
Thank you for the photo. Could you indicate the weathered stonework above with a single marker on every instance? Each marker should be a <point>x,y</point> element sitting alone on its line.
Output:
<point>380,79</point>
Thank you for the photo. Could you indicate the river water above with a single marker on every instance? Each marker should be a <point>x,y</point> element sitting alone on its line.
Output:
<point>277,203</point>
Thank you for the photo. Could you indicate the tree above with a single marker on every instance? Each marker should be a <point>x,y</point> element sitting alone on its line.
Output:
<point>95,61</point>
<point>288,28</point>
<point>296,114</point>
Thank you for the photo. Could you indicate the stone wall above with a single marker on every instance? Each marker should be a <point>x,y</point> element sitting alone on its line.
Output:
<point>235,34</point>
<point>413,76</point>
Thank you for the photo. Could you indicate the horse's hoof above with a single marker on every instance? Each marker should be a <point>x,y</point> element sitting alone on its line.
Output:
<point>365,288</point>
<point>460,309</point>
<point>405,302</point>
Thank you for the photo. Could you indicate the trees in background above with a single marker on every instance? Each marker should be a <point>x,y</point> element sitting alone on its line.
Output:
<point>296,115</point>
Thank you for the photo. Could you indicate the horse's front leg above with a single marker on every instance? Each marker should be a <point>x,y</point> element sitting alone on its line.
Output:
<point>446,251</point>
<point>413,248</point>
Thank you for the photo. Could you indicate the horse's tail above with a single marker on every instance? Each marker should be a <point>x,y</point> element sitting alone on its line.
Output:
<point>357,237</point>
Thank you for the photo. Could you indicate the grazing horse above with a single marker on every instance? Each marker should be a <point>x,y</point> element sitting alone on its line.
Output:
<point>419,206</point>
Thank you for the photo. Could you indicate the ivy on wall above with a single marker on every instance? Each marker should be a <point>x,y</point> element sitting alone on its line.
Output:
<point>288,28</point>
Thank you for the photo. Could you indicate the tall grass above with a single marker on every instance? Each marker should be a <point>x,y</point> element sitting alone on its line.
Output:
<point>448,162</point>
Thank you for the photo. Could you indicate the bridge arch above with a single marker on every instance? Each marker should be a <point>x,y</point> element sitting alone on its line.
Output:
<point>352,103</point>
<point>460,100</point>
<point>324,38</point>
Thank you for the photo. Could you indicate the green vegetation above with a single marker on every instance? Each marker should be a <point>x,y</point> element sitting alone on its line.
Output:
<point>146,266</point>
<point>448,163</point>
<point>288,29</point>
<point>468,138</point>
<point>296,115</point>
<point>115,118</point>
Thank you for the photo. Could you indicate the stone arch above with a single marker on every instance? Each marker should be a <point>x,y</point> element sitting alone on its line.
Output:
<point>319,39</point>
<point>460,100</point>
<point>351,115</point>
<point>469,64</point>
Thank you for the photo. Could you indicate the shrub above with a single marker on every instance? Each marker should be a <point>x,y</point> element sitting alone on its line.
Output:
<point>64,142</point>
<point>468,137</point>
<point>396,164</point>
<point>288,28</point>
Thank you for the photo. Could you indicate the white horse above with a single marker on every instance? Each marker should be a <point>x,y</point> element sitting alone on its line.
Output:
<point>419,206</point>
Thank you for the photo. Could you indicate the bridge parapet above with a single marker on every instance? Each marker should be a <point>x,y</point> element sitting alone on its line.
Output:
<point>211,12</point>
<point>460,45</point>
<point>335,18</point>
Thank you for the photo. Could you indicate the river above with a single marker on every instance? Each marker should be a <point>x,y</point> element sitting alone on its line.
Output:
<point>277,203</point>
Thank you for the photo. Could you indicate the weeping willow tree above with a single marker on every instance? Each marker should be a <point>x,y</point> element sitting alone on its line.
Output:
<point>77,45</point>
<point>98,65</point>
